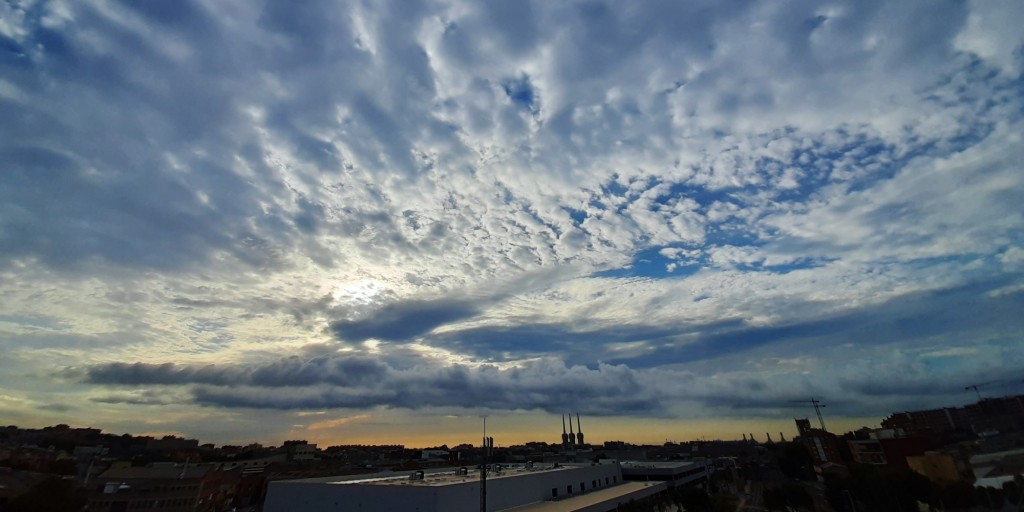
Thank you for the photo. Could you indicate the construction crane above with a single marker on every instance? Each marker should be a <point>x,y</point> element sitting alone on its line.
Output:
<point>987,384</point>
<point>817,408</point>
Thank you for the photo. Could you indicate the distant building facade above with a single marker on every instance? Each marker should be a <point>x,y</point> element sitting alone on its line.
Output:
<point>166,488</point>
<point>937,467</point>
<point>889,447</point>
<point>300,450</point>
<point>674,473</point>
<point>1005,414</point>
<point>823,445</point>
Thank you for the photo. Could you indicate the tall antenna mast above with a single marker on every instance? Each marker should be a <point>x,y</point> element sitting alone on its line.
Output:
<point>488,443</point>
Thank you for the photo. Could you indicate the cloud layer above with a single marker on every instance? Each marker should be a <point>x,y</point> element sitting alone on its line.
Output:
<point>536,204</point>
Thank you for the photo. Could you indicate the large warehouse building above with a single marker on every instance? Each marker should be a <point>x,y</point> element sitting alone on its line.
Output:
<point>524,488</point>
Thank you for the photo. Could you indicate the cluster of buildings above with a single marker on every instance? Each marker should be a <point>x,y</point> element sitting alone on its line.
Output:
<point>536,477</point>
<point>125,472</point>
<point>980,443</point>
<point>985,418</point>
<point>174,474</point>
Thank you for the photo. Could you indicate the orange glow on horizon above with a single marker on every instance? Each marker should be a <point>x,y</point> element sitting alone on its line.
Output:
<point>519,429</point>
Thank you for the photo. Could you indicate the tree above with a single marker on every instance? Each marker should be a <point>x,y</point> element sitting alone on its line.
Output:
<point>692,499</point>
<point>879,489</point>
<point>788,496</point>
<point>796,462</point>
<point>954,496</point>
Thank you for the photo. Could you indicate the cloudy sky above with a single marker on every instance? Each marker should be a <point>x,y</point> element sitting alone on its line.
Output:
<point>376,221</point>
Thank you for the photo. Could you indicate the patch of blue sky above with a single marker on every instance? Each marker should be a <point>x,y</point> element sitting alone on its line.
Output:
<point>652,264</point>
<point>798,264</point>
<point>912,317</point>
<point>577,216</point>
<point>528,208</point>
<point>875,159</point>
<point>977,84</point>
<point>39,321</point>
<point>859,152</point>
<point>995,92</point>
<point>612,187</point>
<point>704,197</point>
<point>49,41</point>
<point>507,196</point>
<point>595,202</point>
<point>812,23</point>
<point>34,13</point>
<point>12,54</point>
<point>723,234</point>
<point>521,92</point>
<point>978,267</point>
<point>955,144</point>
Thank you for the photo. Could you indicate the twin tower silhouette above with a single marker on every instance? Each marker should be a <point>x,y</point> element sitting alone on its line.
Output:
<point>572,440</point>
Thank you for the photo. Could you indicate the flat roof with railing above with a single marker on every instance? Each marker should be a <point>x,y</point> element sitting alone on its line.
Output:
<point>449,476</point>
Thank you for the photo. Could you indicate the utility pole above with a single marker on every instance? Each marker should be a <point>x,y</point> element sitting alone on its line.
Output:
<point>487,445</point>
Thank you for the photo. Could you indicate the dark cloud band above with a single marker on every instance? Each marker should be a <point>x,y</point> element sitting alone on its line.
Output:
<point>342,381</point>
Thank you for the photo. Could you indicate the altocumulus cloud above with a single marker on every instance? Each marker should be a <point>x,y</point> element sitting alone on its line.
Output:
<point>668,208</point>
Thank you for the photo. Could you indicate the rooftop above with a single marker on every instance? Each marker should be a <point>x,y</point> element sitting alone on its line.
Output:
<point>156,473</point>
<point>592,498</point>
<point>673,464</point>
<point>435,478</point>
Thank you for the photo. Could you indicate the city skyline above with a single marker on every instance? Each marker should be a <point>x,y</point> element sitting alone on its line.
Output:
<point>381,221</point>
<point>508,435</point>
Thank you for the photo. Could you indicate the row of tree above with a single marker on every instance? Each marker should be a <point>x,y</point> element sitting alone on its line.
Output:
<point>884,489</point>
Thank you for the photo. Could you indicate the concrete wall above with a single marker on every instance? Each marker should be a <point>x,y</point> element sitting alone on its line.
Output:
<point>511,492</point>
<point>608,506</point>
<point>674,475</point>
<point>288,496</point>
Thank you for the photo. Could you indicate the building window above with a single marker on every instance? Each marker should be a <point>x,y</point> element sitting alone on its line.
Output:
<point>615,479</point>
<point>606,480</point>
<point>582,487</point>
<point>568,489</point>
<point>554,492</point>
<point>593,484</point>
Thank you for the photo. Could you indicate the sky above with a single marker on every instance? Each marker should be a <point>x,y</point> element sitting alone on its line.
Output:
<point>374,221</point>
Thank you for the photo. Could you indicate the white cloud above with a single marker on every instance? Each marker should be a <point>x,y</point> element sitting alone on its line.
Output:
<point>1012,258</point>
<point>992,33</point>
